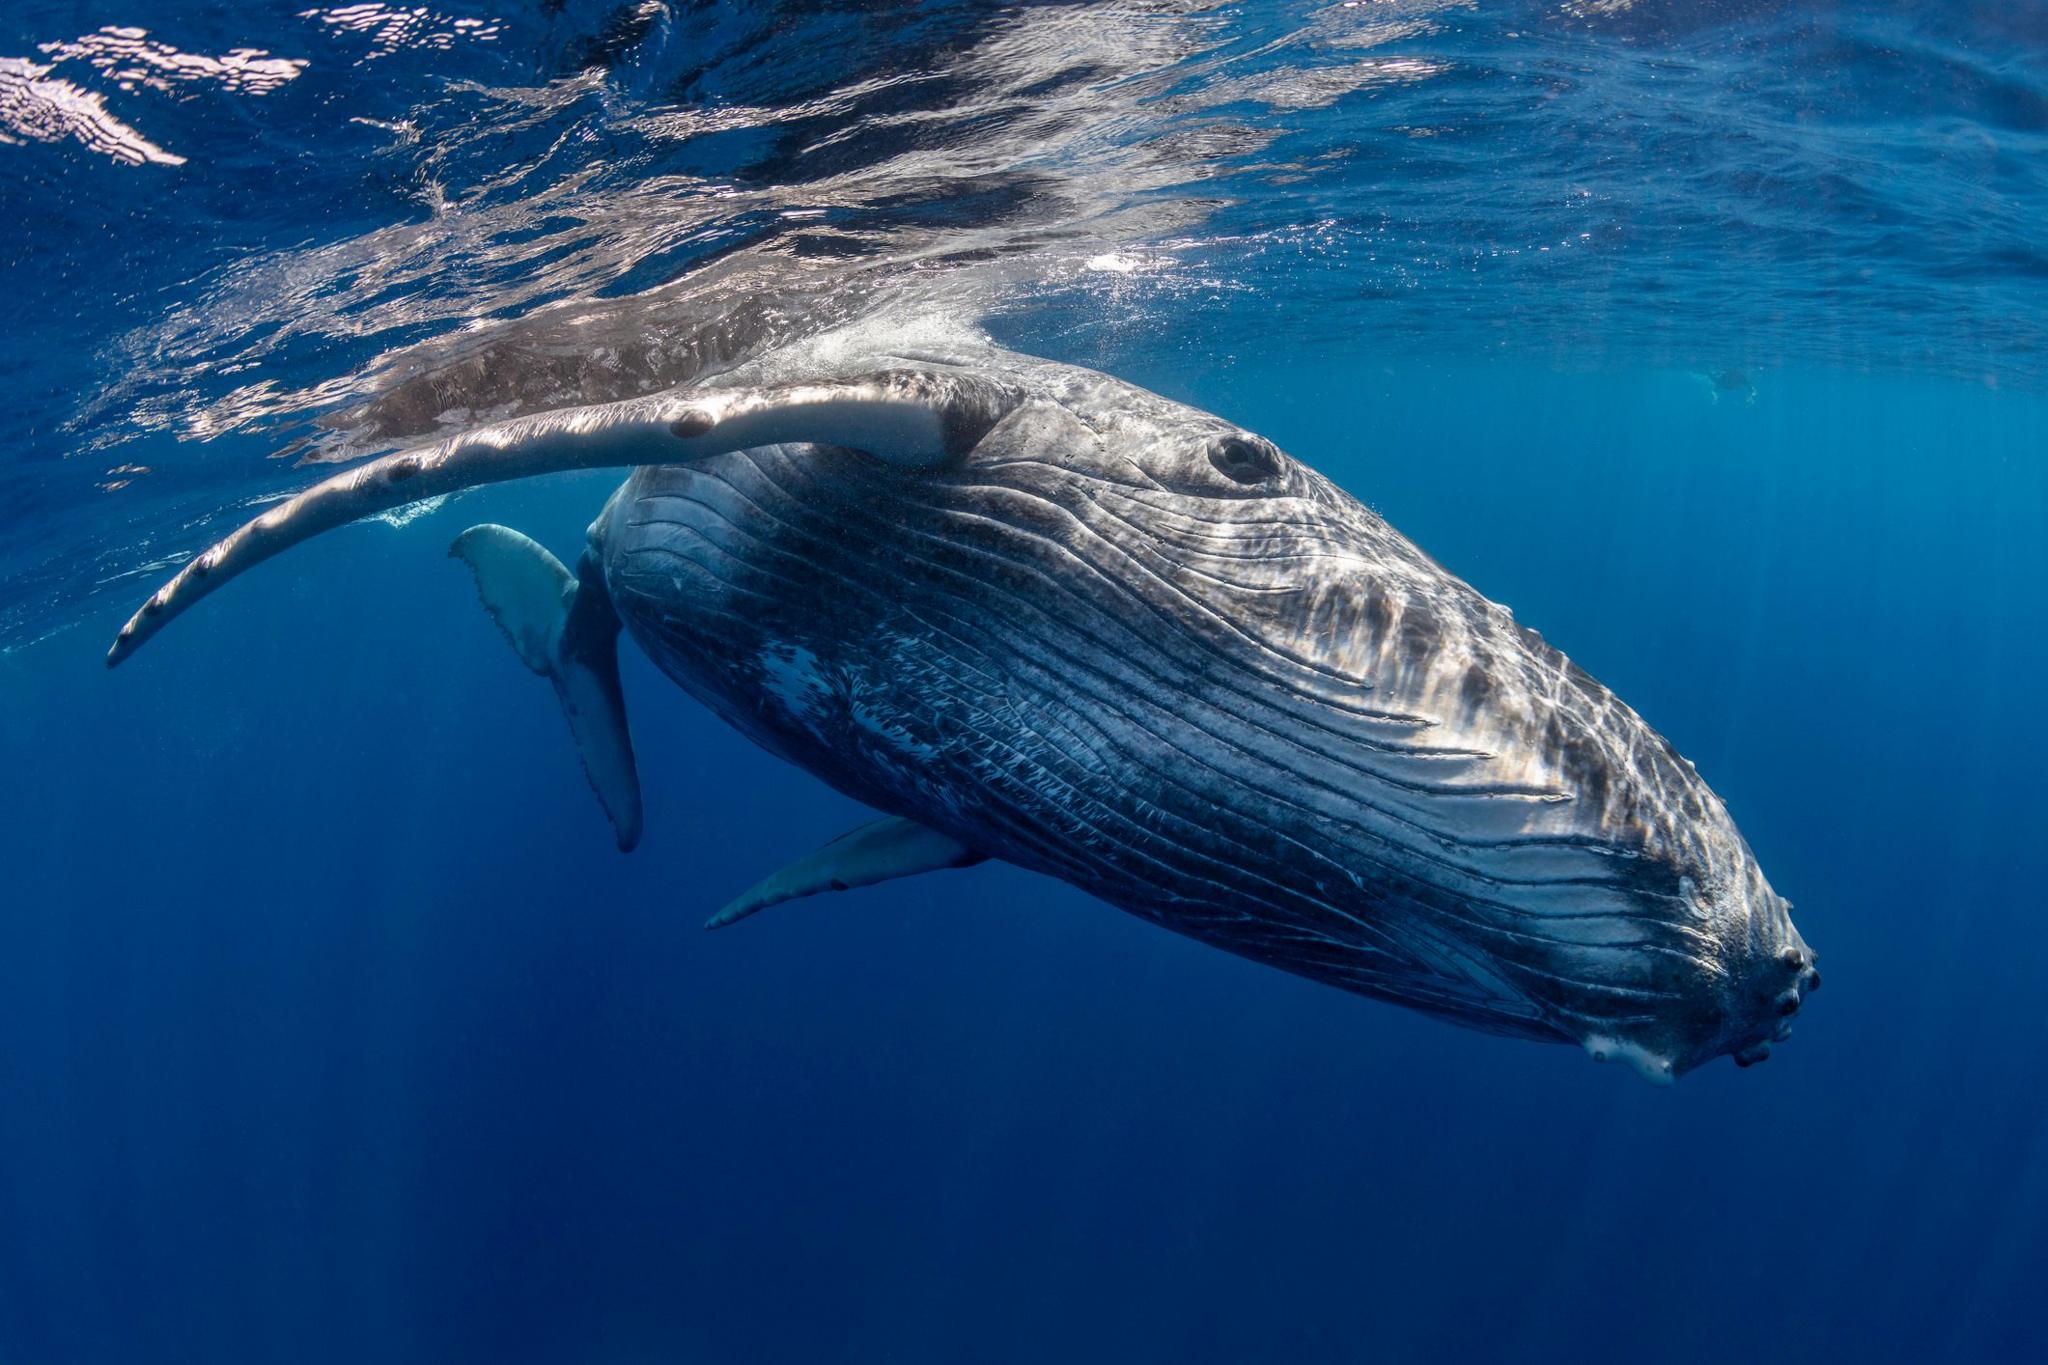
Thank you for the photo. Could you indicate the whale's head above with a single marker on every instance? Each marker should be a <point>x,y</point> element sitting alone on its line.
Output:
<point>1498,837</point>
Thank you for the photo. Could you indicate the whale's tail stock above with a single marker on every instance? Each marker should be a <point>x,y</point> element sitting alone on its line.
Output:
<point>563,627</point>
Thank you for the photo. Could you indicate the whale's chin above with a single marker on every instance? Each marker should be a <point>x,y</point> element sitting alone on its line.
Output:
<point>1652,1067</point>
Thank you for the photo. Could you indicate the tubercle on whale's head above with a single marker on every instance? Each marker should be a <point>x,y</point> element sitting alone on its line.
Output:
<point>1770,976</point>
<point>1756,980</point>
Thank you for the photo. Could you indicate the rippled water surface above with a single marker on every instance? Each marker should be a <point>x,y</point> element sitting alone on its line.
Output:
<point>1711,337</point>
<point>270,231</point>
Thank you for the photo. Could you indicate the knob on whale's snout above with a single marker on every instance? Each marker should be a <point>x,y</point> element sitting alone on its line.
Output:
<point>1793,978</point>
<point>1762,992</point>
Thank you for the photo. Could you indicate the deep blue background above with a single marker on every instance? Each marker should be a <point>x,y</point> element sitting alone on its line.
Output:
<point>333,1029</point>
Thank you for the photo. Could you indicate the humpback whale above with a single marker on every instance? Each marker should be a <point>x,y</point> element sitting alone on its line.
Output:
<point>1032,613</point>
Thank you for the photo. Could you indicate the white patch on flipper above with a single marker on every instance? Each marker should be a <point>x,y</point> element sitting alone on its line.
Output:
<point>524,587</point>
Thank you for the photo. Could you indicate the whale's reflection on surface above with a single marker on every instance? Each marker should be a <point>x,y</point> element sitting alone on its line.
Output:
<point>492,212</point>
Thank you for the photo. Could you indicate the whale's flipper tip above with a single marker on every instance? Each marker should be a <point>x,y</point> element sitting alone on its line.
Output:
<point>134,631</point>
<point>564,629</point>
<point>880,851</point>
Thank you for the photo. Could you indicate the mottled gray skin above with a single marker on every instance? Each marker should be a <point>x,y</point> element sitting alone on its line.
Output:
<point>1127,644</point>
<point>1072,625</point>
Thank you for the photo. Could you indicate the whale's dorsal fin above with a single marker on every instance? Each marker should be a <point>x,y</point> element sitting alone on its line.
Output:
<point>914,418</point>
<point>877,852</point>
<point>563,627</point>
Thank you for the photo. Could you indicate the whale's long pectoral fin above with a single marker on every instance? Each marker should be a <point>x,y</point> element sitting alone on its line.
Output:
<point>563,627</point>
<point>877,852</point>
<point>909,417</point>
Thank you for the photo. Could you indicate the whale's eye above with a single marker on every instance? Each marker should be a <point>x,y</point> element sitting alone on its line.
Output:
<point>1247,459</point>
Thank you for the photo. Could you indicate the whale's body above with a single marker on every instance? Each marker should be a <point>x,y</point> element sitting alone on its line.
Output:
<point>1072,625</point>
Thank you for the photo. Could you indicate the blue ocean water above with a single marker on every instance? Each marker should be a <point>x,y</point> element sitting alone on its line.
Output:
<point>332,1028</point>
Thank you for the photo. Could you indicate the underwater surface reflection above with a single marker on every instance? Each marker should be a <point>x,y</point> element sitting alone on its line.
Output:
<point>1707,337</point>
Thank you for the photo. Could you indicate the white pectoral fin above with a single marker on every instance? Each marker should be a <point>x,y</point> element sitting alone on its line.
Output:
<point>565,630</point>
<point>907,417</point>
<point>525,588</point>
<point>878,852</point>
